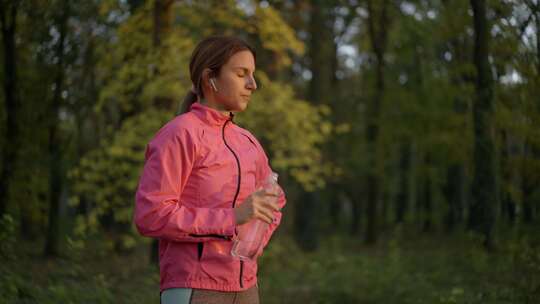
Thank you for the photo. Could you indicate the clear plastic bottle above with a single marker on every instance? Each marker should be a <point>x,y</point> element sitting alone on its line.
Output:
<point>250,235</point>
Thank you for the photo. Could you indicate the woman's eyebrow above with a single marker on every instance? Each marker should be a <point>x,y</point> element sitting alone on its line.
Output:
<point>242,68</point>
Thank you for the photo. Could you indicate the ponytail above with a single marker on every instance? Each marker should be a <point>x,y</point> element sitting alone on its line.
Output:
<point>189,99</point>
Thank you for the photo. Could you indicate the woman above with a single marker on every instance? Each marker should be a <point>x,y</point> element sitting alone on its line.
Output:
<point>199,179</point>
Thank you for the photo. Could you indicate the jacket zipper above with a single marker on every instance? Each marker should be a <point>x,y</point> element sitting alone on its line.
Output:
<point>237,189</point>
<point>237,162</point>
<point>211,235</point>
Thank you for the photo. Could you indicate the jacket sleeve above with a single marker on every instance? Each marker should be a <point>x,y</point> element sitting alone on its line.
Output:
<point>159,213</point>
<point>264,171</point>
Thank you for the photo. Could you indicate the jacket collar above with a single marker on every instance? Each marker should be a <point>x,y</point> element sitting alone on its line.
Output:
<point>210,115</point>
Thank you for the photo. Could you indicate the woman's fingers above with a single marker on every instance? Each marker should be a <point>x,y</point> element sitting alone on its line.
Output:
<point>264,212</point>
<point>261,204</point>
<point>274,191</point>
<point>264,216</point>
<point>271,203</point>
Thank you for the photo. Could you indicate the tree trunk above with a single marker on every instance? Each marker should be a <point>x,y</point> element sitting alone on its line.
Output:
<point>320,45</point>
<point>134,5</point>
<point>356,200</point>
<point>56,172</point>
<point>321,54</point>
<point>527,187</point>
<point>84,115</point>
<point>162,24</point>
<point>427,197</point>
<point>307,218</point>
<point>455,190</point>
<point>371,210</point>
<point>454,194</point>
<point>536,149</point>
<point>378,24</point>
<point>403,194</point>
<point>482,215</point>
<point>384,210</point>
<point>334,204</point>
<point>8,23</point>
<point>162,20</point>
<point>509,176</point>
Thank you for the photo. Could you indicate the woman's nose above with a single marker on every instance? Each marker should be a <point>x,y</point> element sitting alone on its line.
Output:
<point>251,83</point>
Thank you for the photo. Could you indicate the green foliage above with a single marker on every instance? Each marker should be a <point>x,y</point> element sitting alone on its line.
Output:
<point>517,119</point>
<point>399,270</point>
<point>293,143</point>
<point>429,91</point>
<point>91,278</point>
<point>135,71</point>
<point>108,177</point>
<point>276,36</point>
<point>402,269</point>
<point>122,85</point>
<point>7,237</point>
<point>17,287</point>
<point>525,260</point>
<point>263,23</point>
<point>12,286</point>
<point>138,74</point>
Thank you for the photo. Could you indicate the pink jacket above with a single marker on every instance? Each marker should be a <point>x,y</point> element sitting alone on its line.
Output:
<point>198,167</point>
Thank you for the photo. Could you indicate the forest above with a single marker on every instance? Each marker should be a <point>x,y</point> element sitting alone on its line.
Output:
<point>406,135</point>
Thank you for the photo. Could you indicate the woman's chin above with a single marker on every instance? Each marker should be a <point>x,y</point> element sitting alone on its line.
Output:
<point>242,106</point>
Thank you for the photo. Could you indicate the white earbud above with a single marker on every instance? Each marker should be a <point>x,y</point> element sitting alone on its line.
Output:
<point>213,84</point>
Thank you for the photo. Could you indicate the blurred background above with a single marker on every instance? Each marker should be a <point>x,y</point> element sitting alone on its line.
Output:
<point>406,135</point>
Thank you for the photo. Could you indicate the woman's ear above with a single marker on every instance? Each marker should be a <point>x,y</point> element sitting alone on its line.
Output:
<point>209,79</point>
<point>206,75</point>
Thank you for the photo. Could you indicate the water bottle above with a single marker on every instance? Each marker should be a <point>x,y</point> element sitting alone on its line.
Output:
<point>250,235</point>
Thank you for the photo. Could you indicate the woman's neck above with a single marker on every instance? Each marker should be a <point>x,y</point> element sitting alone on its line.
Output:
<point>214,105</point>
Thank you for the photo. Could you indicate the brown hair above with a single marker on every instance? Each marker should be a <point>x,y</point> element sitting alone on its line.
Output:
<point>212,52</point>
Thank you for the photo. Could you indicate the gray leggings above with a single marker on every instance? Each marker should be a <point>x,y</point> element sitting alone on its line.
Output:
<point>200,296</point>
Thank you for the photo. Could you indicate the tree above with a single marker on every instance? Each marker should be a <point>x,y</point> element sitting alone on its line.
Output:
<point>378,27</point>
<point>56,165</point>
<point>484,187</point>
<point>8,25</point>
<point>454,30</point>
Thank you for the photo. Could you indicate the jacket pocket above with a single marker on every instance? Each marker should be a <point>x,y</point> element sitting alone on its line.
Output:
<point>200,248</point>
<point>250,270</point>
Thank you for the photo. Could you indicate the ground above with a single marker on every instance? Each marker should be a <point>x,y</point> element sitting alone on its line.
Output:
<point>404,267</point>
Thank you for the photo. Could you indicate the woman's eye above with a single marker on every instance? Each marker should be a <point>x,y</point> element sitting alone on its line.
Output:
<point>240,75</point>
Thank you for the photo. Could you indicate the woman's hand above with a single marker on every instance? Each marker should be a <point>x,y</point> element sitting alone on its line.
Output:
<point>260,204</point>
